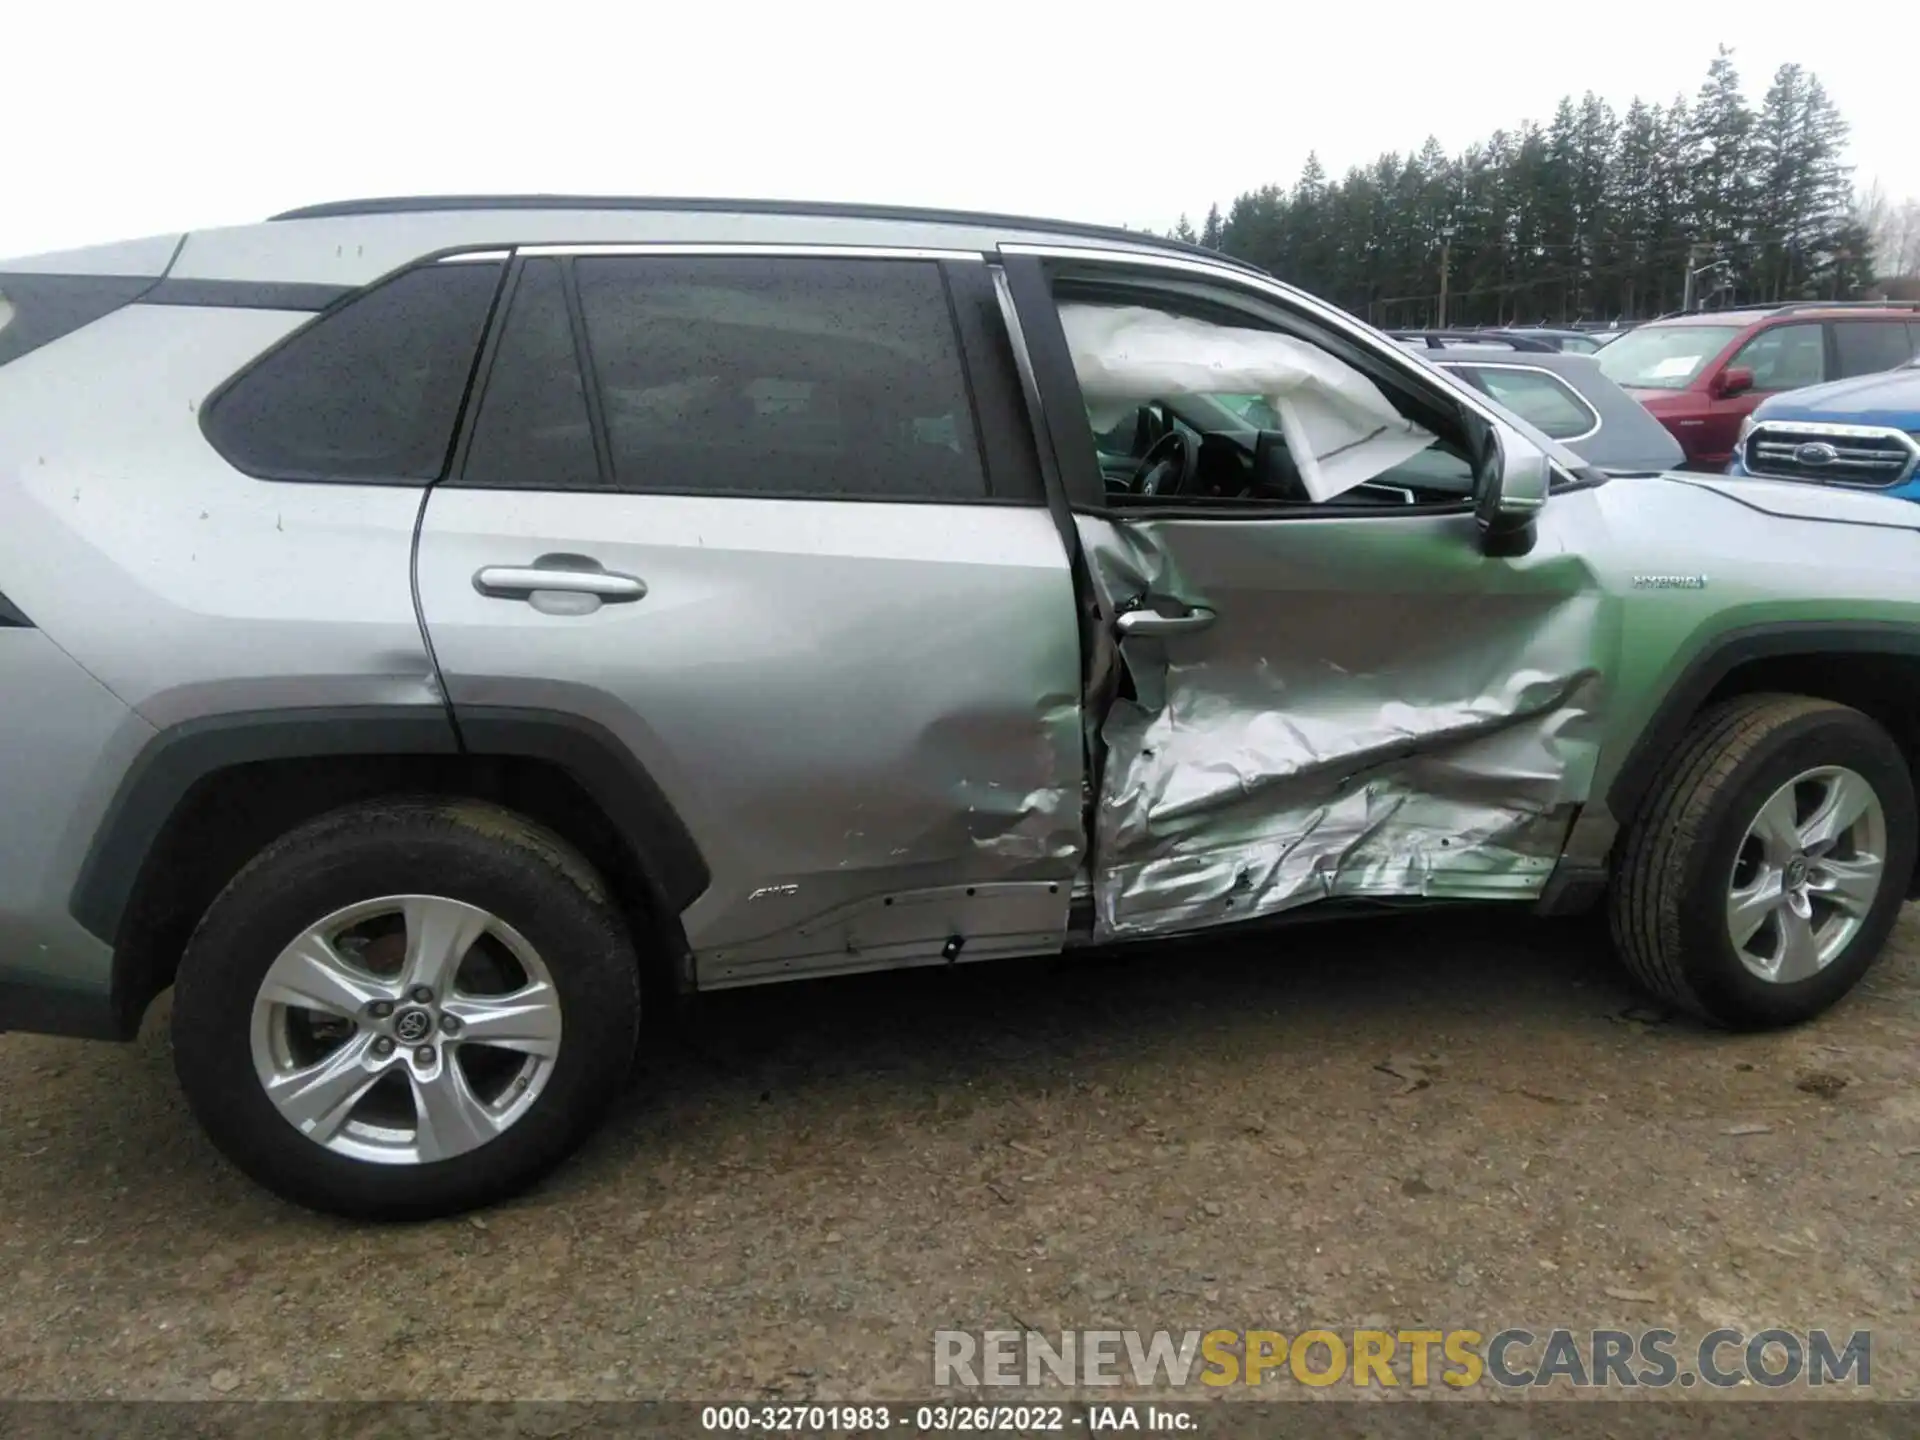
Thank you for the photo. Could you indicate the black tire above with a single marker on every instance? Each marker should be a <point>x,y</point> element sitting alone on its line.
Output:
<point>1668,902</point>
<point>462,850</point>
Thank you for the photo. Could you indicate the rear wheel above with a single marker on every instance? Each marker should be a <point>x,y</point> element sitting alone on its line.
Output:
<point>406,1009</point>
<point>1768,866</point>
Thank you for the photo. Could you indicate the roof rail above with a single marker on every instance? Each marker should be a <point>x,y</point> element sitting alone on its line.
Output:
<point>429,204</point>
<point>1795,305</point>
<point>1436,339</point>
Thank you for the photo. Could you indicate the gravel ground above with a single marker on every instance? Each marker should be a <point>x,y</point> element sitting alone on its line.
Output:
<point>1459,1122</point>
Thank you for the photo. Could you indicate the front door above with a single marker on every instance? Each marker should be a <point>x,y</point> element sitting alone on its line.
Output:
<point>1318,694</point>
<point>738,511</point>
<point>1781,357</point>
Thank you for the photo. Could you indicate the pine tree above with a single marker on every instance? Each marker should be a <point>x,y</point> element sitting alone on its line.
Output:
<point>1183,230</point>
<point>1634,193</point>
<point>1722,164</point>
<point>1210,232</point>
<point>1841,249</point>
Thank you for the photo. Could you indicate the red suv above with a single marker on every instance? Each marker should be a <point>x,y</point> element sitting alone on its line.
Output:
<point>1701,375</point>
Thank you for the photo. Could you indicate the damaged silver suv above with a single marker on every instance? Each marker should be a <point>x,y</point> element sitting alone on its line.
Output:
<point>425,620</point>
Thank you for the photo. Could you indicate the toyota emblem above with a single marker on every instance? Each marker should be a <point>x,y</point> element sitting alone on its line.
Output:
<point>412,1026</point>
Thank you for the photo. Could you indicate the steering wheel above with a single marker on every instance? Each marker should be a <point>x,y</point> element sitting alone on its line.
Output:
<point>1169,466</point>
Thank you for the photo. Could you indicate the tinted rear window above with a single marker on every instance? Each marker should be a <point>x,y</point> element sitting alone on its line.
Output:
<point>36,310</point>
<point>370,391</point>
<point>811,378</point>
<point>1539,397</point>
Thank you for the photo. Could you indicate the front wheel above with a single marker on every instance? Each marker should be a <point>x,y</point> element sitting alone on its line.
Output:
<point>1768,865</point>
<point>406,1009</point>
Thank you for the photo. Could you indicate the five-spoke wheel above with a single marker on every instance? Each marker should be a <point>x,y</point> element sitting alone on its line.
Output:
<point>407,1008</point>
<point>406,1030</point>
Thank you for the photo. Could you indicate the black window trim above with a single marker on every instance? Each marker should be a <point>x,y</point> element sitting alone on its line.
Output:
<point>493,253</point>
<point>991,442</point>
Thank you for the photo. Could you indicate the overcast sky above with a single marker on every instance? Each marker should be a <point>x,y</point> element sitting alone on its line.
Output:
<point>122,120</point>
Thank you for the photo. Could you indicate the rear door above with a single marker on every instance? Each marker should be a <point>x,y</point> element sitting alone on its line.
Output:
<point>1303,700</point>
<point>763,517</point>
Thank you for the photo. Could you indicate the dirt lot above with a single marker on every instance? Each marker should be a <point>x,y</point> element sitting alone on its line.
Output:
<point>1459,1123</point>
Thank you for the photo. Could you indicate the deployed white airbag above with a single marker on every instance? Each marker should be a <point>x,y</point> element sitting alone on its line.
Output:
<point>1340,429</point>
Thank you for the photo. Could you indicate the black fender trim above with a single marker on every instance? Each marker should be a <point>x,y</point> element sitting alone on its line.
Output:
<point>181,757</point>
<point>610,773</point>
<point>12,617</point>
<point>1719,659</point>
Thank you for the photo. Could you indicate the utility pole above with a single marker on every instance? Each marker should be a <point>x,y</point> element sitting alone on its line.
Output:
<point>1686,290</point>
<point>1446,256</point>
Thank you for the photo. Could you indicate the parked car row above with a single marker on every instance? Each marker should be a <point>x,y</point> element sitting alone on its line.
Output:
<point>1703,375</point>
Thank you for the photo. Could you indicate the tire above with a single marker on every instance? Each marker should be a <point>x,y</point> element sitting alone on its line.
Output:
<point>559,1051</point>
<point>1671,912</point>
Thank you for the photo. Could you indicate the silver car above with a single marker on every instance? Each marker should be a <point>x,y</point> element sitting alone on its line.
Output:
<point>430,625</point>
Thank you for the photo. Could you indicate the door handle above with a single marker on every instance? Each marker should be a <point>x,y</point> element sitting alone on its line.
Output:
<point>518,582</point>
<point>1153,623</point>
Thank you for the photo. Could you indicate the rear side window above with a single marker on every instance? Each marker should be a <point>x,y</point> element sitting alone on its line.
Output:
<point>368,392</point>
<point>1537,396</point>
<point>810,378</point>
<point>36,310</point>
<point>1867,346</point>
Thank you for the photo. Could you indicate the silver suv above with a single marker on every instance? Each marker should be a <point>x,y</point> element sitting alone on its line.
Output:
<point>430,624</point>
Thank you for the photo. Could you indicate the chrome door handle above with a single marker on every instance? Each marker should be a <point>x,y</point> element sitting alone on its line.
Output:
<point>1152,622</point>
<point>518,582</point>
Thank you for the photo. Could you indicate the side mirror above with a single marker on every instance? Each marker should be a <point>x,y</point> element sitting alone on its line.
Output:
<point>1734,380</point>
<point>1512,493</point>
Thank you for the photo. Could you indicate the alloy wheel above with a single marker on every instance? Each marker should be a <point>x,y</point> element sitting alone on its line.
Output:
<point>406,1030</point>
<point>1807,874</point>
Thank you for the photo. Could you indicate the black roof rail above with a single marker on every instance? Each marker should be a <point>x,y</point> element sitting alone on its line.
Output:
<point>432,204</point>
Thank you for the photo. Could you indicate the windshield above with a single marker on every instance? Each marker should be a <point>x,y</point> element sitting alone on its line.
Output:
<point>1662,357</point>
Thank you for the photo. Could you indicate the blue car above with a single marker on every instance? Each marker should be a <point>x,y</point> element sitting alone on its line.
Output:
<point>1862,433</point>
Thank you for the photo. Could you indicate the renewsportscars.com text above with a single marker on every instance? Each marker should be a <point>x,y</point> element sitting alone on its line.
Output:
<point>1513,1357</point>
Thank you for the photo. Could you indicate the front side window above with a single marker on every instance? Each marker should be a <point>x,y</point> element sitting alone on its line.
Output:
<point>1537,396</point>
<point>1663,357</point>
<point>369,391</point>
<point>1189,402</point>
<point>1784,357</point>
<point>1864,347</point>
<point>797,377</point>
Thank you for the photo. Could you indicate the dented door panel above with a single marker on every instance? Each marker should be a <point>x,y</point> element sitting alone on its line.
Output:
<point>1377,710</point>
